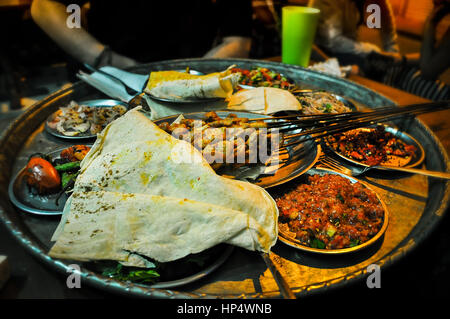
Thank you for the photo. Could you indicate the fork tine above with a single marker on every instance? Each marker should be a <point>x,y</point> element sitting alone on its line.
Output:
<point>331,161</point>
<point>335,164</point>
<point>330,164</point>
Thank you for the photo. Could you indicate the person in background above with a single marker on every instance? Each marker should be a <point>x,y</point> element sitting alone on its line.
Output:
<point>418,73</point>
<point>266,38</point>
<point>337,31</point>
<point>126,33</point>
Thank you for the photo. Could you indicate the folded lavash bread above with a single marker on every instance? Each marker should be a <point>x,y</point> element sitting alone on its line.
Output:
<point>143,193</point>
<point>264,100</point>
<point>174,85</point>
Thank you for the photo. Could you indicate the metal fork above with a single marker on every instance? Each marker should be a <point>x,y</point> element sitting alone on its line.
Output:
<point>329,162</point>
<point>356,171</point>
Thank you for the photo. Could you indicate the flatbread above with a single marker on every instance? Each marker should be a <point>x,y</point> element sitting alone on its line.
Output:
<point>174,85</point>
<point>264,100</point>
<point>143,193</point>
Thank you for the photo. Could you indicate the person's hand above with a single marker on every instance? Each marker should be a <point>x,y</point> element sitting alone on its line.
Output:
<point>117,60</point>
<point>121,61</point>
<point>385,59</point>
<point>369,47</point>
<point>231,47</point>
<point>379,62</point>
<point>355,70</point>
<point>390,57</point>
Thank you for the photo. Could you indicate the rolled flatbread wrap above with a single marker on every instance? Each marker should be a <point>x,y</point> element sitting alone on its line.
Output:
<point>174,85</point>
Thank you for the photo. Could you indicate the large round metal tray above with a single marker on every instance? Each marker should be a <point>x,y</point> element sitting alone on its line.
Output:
<point>416,203</point>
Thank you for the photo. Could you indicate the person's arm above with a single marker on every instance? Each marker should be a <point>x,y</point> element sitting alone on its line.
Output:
<point>51,16</point>
<point>231,47</point>
<point>330,31</point>
<point>388,29</point>
<point>341,44</point>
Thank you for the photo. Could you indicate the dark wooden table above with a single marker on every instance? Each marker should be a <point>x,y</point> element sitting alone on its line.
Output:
<point>423,274</point>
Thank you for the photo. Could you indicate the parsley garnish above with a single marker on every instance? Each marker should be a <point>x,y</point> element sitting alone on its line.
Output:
<point>139,275</point>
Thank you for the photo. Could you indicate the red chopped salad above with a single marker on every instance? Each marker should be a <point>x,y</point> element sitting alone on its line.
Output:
<point>263,77</point>
<point>331,212</point>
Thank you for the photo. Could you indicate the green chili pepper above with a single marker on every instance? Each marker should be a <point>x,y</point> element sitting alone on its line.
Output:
<point>67,177</point>
<point>67,166</point>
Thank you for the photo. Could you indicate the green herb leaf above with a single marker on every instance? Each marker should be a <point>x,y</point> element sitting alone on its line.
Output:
<point>112,271</point>
<point>122,273</point>
<point>142,276</point>
<point>317,243</point>
<point>354,242</point>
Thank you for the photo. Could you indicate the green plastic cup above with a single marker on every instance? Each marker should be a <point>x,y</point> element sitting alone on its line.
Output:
<point>298,29</point>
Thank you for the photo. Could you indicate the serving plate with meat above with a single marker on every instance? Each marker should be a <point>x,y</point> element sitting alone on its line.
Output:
<point>83,120</point>
<point>330,213</point>
<point>206,129</point>
<point>377,145</point>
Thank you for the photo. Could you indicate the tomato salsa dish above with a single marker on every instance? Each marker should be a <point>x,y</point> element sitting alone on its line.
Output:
<point>372,146</point>
<point>263,77</point>
<point>330,212</point>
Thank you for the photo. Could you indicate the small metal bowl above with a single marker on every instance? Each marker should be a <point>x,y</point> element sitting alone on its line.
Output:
<point>23,198</point>
<point>91,103</point>
<point>289,240</point>
<point>278,176</point>
<point>414,161</point>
